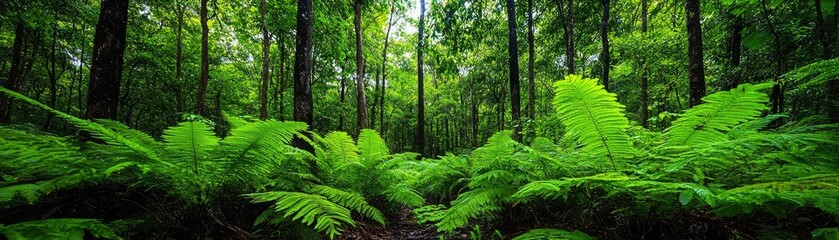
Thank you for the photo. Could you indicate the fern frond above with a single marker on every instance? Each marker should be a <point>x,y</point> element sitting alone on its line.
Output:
<point>189,145</point>
<point>371,146</point>
<point>708,122</point>
<point>593,117</point>
<point>352,201</point>
<point>59,228</point>
<point>253,151</point>
<point>471,205</point>
<point>311,209</point>
<point>553,234</point>
<point>404,194</point>
<point>341,148</point>
<point>813,74</point>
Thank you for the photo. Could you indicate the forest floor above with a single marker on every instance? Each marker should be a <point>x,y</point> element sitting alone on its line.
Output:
<point>403,225</point>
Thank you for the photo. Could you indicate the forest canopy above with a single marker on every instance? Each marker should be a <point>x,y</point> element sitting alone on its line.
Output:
<point>371,119</point>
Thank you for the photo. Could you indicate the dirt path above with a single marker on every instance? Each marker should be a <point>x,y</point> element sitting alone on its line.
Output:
<point>402,227</point>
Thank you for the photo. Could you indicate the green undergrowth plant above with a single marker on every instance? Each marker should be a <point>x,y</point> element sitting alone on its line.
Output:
<point>722,155</point>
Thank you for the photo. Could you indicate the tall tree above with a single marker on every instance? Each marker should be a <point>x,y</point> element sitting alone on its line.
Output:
<point>777,96</point>
<point>604,38</point>
<point>513,50</point>
<point>179,91</point>
<point>645,110</point>
<point>205,59</point>
<point>303,66</point>
<point>734,48</point>
<point>6,103</point>
<point>362,120</point>
<point>531,58</point>
<point>820,30</point>
<point>383,83</point>
<point>107,61</point>
<point>696,68</point>
<point>266,47</point>
<point>570,53</point>
<point>420,136</point>
<point>833,86</point>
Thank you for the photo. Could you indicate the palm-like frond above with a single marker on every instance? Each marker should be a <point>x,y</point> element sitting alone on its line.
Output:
<point>593,117</point>
<point>311,209</point>
<point>371,146</point>
<point>813,74</point>
<point>709,122</point>
<point>352,201</point>
<point>257,149</point>
<point>471,205</point>
<point>59,228</point>
<point>189,145</point>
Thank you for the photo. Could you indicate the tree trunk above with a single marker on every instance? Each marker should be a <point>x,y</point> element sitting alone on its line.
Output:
<point>6,103</point>
<point>107,61</point>
<point>281,77</point>
<point>569,39</point>
<point>179,91</point>
<point>820,30</point>
<point>474,113</point>
<point>645,73</point>
<point>833,86</point>
<point>696,68</point>
<point>777,96</point>
<point>342,92</point>
<point>531,58</point>
<point>604,38</point>
<point>513,51</point>
<point>205,60</point>
<point>420,138</point>
<point>362,121</point>
<point>375,105</point>
<point>53,73</point>
<point>266,47</point>
<point>735,42</point>
<point>303,68</point>
<point>384,72</point>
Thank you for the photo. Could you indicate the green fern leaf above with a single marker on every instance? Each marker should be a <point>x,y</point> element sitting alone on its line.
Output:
<point>371,146</point>
<point>593,117</point>
<point>189,145</point>
<point>352,201</point>
<point>708,122</point>
<point>313,210</point>
<point>60,228</point>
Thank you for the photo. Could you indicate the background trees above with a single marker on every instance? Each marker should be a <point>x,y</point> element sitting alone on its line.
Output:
<point>246,66</point>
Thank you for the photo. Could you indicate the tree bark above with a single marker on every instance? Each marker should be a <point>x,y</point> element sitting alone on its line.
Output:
<point>513,51</point>
<point>474,112</point>
<point>820,30</point>
<point>777,96</point>
<point>735,42</point>
<point>569,39</point>
<point>384,72</point>
<point>205,59</point>
<point>6,103</point>
<point>531,58</point>
<point>179,91</point>
<point>696,66</point>
<point>54,73</point>
<point>420,138</point>
<point>604,38</point>
<point>645,73</point>
<point>266,47</point>
<point>833,86</point>
<point>281,77</point>
<point>107,61</point>
<point>362,121</point>
<point>303,67</point>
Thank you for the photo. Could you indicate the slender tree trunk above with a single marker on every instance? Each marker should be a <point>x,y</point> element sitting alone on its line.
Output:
<point>735,41</point>
<point>531,58</point>
<point>281,77</point>
<point>107,62</point>
<point>82,45</point>
<point>179,91</point>
<point>604,38</point>
<point>513,51</point>
<point>569,38</point>
<point>375,105</point>
<point>6,103</point>
<point>266,47</point>
<point>820,30</point>
<point>777,96</point>
<point>833,86</point>
<point>342,91</point>
<point>384,72</point>
<point>54,74</point>
<point>474,112</point>
<point>362,121</point>
<point>205,59</point>
<point>420,138</point>
<point>696,68</point>
<point>645,73</point>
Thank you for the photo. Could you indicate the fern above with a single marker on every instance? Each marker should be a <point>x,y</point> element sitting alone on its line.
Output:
<point>813,74</point>
<point>707,122</point>
<point>60,228</point>
<point>313,210</point>
<point>471,205</point>
<point>593,117</point>
<point>349,200</point>
<point>549,233</point>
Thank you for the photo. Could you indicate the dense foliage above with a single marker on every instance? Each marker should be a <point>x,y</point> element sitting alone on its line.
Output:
<point>374,119</point>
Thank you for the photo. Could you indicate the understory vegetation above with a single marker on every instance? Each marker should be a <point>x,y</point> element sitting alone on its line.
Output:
<point>720,161</point>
